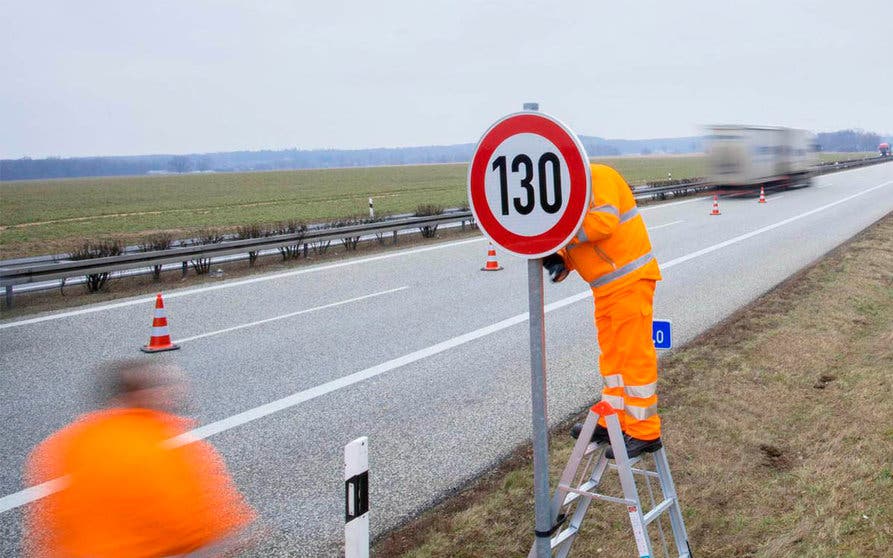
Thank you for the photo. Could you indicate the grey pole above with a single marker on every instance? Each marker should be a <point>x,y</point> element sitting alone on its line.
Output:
<point>543,523</point>
<point>539,407</point>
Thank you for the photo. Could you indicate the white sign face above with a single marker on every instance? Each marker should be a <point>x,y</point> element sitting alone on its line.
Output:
<point>528,184</point>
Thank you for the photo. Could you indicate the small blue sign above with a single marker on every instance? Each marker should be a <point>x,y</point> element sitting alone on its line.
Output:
<point>661,334</point>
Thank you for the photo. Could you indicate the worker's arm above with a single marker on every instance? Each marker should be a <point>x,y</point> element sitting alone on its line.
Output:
<point>604,212</point>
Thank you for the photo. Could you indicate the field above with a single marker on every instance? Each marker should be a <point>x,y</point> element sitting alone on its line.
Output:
<point>54,216</point>
<point>832,156</point>
<point>777,428</point>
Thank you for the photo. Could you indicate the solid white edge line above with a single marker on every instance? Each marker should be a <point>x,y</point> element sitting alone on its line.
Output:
<point>289,315</point>
<point>238,283</point>
<point>31,494</point>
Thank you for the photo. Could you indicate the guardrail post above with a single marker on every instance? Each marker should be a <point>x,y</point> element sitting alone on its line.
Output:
<point>185,269</point>
<point>8,297</point>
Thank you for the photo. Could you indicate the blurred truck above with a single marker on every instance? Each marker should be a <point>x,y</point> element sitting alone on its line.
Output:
<point>746,156</point>
<point>884,148</point>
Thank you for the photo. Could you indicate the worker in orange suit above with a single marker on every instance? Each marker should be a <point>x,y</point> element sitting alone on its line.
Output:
<point>612,252</point>
<point>124,487</point>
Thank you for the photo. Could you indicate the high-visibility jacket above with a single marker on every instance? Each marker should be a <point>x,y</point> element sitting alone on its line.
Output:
<point>611,249</point>
<point>124,492</point>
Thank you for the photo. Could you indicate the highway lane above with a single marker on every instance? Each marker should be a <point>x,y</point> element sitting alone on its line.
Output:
<point>437,421</point>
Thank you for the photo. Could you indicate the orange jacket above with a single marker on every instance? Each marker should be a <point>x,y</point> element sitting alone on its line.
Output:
<point>125,493</point>
<point>612,248</point>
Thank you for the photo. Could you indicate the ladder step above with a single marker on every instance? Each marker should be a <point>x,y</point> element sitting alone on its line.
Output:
<point>590,449</point>
<point>658,509</point>
<point>563,536</point>
<point>585,487</point>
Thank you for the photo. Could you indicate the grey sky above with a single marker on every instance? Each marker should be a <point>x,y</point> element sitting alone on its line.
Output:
<point>101,78</point>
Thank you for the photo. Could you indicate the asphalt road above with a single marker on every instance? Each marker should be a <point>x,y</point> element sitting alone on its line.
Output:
<point>417,349</point>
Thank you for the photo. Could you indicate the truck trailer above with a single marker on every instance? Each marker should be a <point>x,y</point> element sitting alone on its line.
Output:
<point>745,156</point>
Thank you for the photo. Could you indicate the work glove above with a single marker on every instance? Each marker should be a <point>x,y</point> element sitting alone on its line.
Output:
<point>554,264</point>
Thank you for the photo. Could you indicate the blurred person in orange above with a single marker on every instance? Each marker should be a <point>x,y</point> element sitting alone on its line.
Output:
<point>131,482</point>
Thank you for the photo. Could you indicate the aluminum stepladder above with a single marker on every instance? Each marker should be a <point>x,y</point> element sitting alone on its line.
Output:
<point>576,489</point>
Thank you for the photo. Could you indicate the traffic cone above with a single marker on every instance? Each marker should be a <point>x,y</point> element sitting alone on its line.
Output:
<point>762,195</point>
<point>715,206</point>
<point>160,339</point>
<point>492,264</point>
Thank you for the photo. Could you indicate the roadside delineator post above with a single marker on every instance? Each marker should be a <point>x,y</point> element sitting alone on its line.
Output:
<point>762,195</point>
<point>160,340</point>
<point>492,264</point>
<point>356,499</point>
<point>715,205</point>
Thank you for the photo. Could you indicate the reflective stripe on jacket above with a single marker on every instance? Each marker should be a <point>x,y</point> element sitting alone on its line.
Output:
<point>612,248</point>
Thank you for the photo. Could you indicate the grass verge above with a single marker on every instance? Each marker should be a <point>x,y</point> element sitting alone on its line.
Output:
<point>777,424</point>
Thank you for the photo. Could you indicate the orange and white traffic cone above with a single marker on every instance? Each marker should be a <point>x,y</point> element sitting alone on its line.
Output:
<point>492,264</point>
<point>715,206</point>
<point>762,195</point>
<point>161,338</point>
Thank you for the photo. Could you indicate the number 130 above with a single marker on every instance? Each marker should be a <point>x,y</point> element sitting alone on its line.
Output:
<point>527,204</point>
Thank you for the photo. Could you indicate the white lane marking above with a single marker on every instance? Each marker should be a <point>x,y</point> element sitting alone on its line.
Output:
<point>670,224</point>
<point>187,292</point>
<point>289,315</point>
<point>250,415</point>
<point>32,493</point>
<point>824,186</point>
<point>774,196</point>
<point>669,204</point>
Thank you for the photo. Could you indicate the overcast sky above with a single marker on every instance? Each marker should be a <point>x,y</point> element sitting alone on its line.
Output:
<point>121,77</point>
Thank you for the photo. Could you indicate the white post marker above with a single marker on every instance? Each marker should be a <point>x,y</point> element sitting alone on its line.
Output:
<point>529,189</point>
<point>356,499</point>
<point>371,209</point>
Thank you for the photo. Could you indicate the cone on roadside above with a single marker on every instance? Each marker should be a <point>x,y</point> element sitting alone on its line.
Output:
<point>160,339</point>
<point>715,206</point>
<point>762,195</point>
<point>492,264</point>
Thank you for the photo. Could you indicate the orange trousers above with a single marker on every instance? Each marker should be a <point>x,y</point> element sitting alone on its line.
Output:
<point>628,361</point>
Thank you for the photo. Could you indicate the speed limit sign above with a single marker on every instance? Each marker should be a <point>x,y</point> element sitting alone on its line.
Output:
<point>528,184</point>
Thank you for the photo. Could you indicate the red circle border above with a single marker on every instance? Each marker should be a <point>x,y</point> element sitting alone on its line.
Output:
<point>567,144</point>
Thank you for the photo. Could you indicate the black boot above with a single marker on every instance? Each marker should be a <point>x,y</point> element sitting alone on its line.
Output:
<point>600,436</point>
<point>636,447</point>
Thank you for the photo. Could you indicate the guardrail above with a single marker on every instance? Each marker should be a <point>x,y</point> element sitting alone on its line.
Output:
<point>39,270</point>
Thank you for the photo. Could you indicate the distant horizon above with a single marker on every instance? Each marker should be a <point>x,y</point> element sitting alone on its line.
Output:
<point>883,135</point>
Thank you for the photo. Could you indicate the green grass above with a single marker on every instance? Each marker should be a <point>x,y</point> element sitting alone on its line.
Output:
<point>835,156</point>
<point>51,216</point>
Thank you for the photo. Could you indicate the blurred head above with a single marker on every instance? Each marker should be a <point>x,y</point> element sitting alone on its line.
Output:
<point>142,384</point>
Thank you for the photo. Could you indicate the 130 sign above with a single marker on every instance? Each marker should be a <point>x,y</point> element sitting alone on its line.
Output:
<point>528,184</point>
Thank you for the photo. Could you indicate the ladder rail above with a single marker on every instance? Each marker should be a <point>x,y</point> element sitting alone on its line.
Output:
<point>583,473</point>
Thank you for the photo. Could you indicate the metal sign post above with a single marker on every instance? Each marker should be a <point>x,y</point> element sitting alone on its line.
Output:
<point>539,406</point>
<point>529,189</point>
